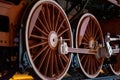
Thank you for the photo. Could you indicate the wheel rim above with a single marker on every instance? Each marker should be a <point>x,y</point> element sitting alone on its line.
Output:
<point>88,30</point>
<point>46,23</point>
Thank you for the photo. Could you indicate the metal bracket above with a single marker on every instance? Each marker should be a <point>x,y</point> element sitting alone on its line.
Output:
<point>111,51</point>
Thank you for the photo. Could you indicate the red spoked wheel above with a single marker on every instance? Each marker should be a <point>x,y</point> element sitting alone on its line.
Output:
<point>115,66</point>
<point>45,25</point>
<point>88,32</point>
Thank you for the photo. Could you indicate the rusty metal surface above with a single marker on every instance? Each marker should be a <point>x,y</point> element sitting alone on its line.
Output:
<point>112,26</point>
<point>13,12</point>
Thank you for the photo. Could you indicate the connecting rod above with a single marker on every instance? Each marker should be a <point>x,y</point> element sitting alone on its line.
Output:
<point>99,51</point>
<point>64,49</point>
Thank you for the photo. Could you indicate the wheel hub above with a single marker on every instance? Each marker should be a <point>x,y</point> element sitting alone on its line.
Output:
<point>53,39</point>
<point>93,44</point>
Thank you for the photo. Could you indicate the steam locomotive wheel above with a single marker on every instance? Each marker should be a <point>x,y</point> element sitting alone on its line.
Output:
<point>46,23</point>
<point>88,31</point>
<point>115,67</point>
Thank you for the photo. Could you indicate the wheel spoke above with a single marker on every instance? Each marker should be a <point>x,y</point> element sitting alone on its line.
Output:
<point>87,34</point>
<point>87,67</point>
<point>89,30</point>
<point>51,64</point>
<point>46,64</point>
<point>61,25</point>
<point>38,37</point>
<point>61,66</point>
<point>48,13</point>
<point>46,23</point>
<point>56,65</point>
<point>91,67</point>
<point>94,67</point>
<point>57,20</point>
<point>63,32</point>
<point>64,57</point>
<point>94,28</point>
<point>82,57</point>
<point>43,25</point>
<point>38,44</point>
<point>41,31</point>
<point>85,62</point>
<point>96,33</point>
<point>91,27</point>
<point>98,62</point>
<point>42,59</point>
<point>52,21</point>
<point>40,52</point>
<point>86,37</point>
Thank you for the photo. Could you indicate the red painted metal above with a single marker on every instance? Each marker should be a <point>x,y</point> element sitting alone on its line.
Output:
<point>13,13</point>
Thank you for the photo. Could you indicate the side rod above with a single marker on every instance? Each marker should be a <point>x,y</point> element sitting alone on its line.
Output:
<point>64,49</point>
